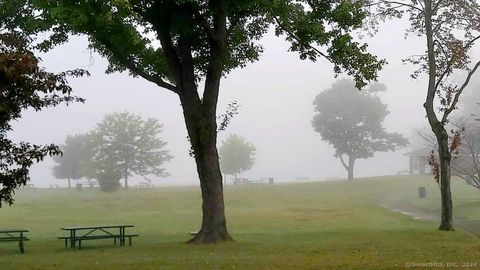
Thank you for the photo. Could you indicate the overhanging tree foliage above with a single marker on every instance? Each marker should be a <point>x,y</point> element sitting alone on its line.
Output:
<point>451,29</point>
<point>236,155</point>
<point>24,85</point>
<point>186,46</point>
<point>352,122</point>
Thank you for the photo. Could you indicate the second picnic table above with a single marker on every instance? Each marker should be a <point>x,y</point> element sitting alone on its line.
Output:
<point>80,233</point>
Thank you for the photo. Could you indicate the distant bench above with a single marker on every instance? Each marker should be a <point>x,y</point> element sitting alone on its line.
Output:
<point>240,181</point>
<point>15,235</point>
<point>79,234</point>
<point>144,185</point>
<point>245,181</point>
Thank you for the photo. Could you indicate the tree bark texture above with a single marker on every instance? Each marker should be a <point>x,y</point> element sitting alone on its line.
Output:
<point>202,130</point>
<point>446,223</point>
<point>351,165</point>
<point>348,167</point>
<point>126,174</point>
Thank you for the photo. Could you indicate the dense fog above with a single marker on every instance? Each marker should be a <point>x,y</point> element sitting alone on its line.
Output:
<point>275,96</point>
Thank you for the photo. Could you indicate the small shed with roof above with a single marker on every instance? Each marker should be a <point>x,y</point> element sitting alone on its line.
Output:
<point>419,161</point>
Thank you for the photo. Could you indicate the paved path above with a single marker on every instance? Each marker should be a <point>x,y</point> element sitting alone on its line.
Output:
<point>472,226</point>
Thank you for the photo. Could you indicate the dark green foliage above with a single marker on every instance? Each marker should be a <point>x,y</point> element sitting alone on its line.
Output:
<point>123,30</point>
<point>236,155</point>
<point>24,85</point>
<point>232,110</point>
<point>351,121</point>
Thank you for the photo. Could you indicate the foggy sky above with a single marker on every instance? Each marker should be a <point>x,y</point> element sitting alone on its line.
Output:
<point>275,95</point>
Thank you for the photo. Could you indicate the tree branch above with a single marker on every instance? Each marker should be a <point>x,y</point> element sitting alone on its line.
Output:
<point>152,78</point>
<point>400,4</point>
<point>130,64</point>
<point>430,140</point>
<point>343,162</point>
<point>284,28</point>
<point>447,68</point>
<point>459,92</point>
<point>218,49</point>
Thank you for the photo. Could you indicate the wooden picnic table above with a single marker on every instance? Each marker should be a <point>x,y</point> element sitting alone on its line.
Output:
<point>79,233</point>
<point>240,181</point>
<point>14,235</point>
<point>144,185</point>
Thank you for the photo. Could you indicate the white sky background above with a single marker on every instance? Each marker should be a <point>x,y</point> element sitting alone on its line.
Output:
<point>275,95</point>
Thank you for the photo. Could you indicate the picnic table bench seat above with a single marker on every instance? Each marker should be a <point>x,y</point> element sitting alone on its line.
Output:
<point>97,237</point>
<point>14,235</point>
<point>105,234</point>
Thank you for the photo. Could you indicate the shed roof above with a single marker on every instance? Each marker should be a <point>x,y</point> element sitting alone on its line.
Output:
<point>423,152</point>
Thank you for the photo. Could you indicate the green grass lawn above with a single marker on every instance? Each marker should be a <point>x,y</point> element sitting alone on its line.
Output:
<point>466,199</point>
<point>332,225</point>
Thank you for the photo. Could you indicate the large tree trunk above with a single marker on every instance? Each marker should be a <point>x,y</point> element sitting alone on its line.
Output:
<point>125,179</point>
<point>351,165</point>
<point>214,226</point>
<point>446,223</point>
<point>348,167</point>
<point>203,138</point>
<point>125,171</point>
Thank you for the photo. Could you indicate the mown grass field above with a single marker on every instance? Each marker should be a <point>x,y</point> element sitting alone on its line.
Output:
<point>330,225</point>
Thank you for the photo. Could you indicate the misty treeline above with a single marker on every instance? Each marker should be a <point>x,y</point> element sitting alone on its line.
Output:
<point>121,145</point>
<point>187,47</point>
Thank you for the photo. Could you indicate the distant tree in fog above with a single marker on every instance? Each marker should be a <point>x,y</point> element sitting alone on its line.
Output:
<point>352,122</point>
<point>124,144</point>
<point>236,155</point>
<point>121,145</point>
<point>466,158</point>
<point>73,162</point>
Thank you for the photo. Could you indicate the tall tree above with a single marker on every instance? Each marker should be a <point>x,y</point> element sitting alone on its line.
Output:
<point>352,121</point>
<point>187,46</point>
<point>24,85</point>
<point>71,164</point>
<point>127,144</point>
<point>451,30</point>
<point>236,155</point>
